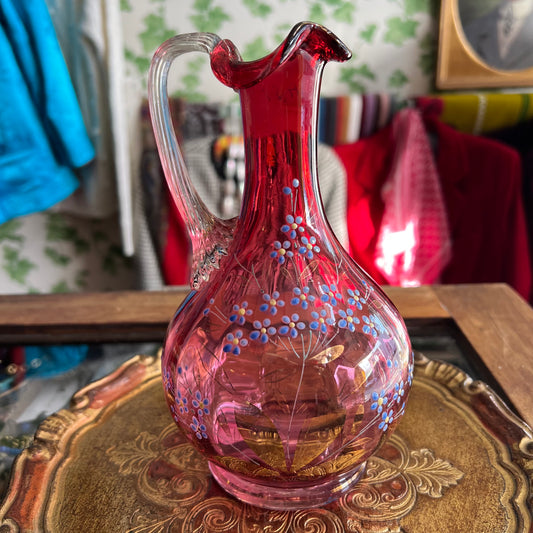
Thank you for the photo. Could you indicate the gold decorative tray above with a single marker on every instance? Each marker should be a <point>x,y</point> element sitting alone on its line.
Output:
<point>114,462</point>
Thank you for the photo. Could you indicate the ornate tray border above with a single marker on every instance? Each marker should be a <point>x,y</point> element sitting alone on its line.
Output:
<point>34,469</point>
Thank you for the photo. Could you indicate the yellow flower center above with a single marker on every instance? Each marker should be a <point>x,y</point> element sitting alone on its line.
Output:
<point>263,330</point>
<point>282,251</point>
<point>272,302</point>
<point>235,341</point>
<point>242,311</point>
<point>294,225</point>
<point>292,324</point>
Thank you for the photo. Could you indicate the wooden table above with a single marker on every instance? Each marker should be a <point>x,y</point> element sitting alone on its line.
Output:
<point>493,323</point>
<point>114,461</point>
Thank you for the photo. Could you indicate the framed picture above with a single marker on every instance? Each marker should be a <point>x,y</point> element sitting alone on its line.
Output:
<point>485,43</point>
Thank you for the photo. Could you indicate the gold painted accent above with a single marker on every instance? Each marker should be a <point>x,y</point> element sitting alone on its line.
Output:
<point>344,462</point>
<point>261,435</point>
<point>316,435</point>
<point>329,354</point>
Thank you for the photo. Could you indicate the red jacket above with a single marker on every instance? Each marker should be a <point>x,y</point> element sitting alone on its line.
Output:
<point>481,185</point>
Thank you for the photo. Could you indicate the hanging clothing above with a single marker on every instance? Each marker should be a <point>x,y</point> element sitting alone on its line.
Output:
<point>413,245</point>
<point>90,35</point>
<point>520,138</point>
<point>42,134</point>
<point>481,186</point>
<point>478,113</point>
<point>32,37</point>
<point>344,119</point>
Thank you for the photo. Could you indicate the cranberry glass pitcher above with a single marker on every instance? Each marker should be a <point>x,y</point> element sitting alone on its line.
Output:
<point>286,365</point>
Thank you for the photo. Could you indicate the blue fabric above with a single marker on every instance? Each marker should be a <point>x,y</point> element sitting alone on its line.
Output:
<point>32,35</point>
<point>42,135</point>
<point>47,361</point>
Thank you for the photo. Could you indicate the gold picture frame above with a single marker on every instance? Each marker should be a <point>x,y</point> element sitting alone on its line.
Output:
<point>459,65</point>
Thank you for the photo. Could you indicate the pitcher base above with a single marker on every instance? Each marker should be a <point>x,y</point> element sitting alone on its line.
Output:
<point>282,498</point>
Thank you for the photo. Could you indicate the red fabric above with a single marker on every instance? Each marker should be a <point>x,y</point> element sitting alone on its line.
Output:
<point>481,184</point>
<point>413,245</point>
<point>176,252</point>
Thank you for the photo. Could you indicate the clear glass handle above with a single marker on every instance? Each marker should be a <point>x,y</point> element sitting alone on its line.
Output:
<point>209,234</point>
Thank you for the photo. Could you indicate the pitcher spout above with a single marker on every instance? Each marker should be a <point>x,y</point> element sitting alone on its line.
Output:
<point>316,40</point>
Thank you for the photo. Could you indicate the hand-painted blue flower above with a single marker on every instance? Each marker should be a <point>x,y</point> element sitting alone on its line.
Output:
<point>331,295</point>
<point>292,226</point>
<point>281,251</point>
<point>378,401</point>
<point>262,330</point>
<point>182,403</point>
<point>369,327</point>
<point>302,297</point>
<point>309,246</point>
<point>410,373</point>
<point>368,287</point>
<point>200,404</point>
<point>386,420</point>
<point>234,342</point>
<point>347,319</point>
<point>272,303</point>
<point>240,312</point>
<point>292,325</point>
<point>199,428</point>
<point>320,321</point>
<point>399,391</point>
<point>355,299</point>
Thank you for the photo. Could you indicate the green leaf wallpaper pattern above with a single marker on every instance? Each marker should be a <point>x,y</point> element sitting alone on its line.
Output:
<point>257,8</point>
<point>191,80</point>
<point>56,257</point>
<point>368,33</point>
<point>155,32</point>
<point>398,79</point>
<point>208,17</point>
<point>399,30</point>
<point>348,76</point>
<point>255,49</point>
<point>58,229</point>
<point>317,13</point>
<point>428,54</point>
<point>16,267</point>
<point>344,12</point>
<point>418,6</point>
<point>364,71</point>
<point>60,287</point>
<point>9,231</point>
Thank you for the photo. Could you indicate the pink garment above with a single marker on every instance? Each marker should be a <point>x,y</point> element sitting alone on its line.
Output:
<point>414,244</point>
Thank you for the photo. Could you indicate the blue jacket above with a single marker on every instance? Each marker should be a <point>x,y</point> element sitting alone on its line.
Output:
<point>42,134</point>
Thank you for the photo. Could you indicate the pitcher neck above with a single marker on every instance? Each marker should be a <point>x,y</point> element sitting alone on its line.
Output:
<point>280,116</point>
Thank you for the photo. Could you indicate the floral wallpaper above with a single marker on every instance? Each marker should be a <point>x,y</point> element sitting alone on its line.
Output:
<point>394,50</point>
<point>393,41</point>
